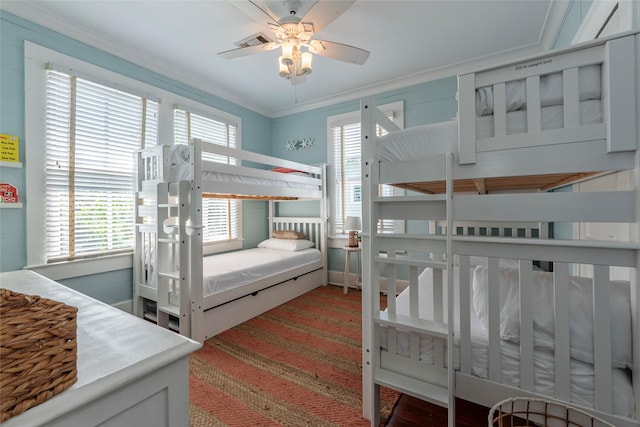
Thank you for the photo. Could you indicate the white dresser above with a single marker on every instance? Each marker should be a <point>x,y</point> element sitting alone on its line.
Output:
<point>130,372</point>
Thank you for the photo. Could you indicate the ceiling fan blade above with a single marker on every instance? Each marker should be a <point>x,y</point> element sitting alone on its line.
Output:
<point>322,13</point>
<point>339,51</point>
<point>252,9</point>
<point>244,51</point>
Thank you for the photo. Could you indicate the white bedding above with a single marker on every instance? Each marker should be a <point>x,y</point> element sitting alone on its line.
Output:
<point>439,138</point>
<point>236,269</point>
<point>582,374</point>
<point>551,91</point>
<point>182,170</point>
<point>580,308</point>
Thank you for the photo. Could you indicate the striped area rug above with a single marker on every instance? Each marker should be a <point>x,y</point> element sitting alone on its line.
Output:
<point>296,365</point>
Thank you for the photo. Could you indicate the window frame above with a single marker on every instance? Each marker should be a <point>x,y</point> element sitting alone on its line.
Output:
<point>397,110</point>
<point>36,58</point>
<point>82,179</point>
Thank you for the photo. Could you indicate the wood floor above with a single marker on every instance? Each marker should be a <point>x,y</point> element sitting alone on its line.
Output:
<point>412,412</point>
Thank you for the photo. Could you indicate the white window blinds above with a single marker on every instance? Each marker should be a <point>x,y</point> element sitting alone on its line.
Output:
<point>346,160</point>
<point>220,217</point>
<point>92,131</point>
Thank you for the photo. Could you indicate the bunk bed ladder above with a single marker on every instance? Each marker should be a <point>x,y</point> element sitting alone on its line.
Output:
<point>172,262</point>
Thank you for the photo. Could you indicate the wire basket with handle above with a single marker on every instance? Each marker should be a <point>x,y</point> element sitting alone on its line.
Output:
<point>525,411</point>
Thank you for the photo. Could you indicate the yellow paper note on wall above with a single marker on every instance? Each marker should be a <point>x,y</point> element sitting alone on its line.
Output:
<point>9,148</point>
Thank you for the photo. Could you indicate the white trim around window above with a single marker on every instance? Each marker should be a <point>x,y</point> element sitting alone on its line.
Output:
<point>36,59</point>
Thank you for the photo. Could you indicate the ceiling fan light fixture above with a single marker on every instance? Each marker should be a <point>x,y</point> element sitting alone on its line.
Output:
<point>284,69</point>
<point>305,67</point>
<point>293,29</point>
<point>287,54</point>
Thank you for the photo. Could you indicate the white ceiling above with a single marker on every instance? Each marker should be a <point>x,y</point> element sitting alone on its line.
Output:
<point>410,42</point>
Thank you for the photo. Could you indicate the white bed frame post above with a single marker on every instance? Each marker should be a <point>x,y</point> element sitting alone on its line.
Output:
<point>196,252</point>
<point>451,374</point>
<point>138,270</point>
<point>370,278</point>
<point>635,278</point>
<point>621,91</point>
<point>466,120</point>
<point>324,229</point>
<point>184,271</point>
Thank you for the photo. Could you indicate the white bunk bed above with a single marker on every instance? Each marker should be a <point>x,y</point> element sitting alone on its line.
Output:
<point>515,331</point>
<point>200,296</point>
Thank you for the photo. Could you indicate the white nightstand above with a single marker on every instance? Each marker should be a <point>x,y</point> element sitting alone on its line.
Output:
<point>347,266</point>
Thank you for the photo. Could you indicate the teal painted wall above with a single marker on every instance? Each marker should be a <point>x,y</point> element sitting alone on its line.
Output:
<point>114,286</point>
<point>426,103</point>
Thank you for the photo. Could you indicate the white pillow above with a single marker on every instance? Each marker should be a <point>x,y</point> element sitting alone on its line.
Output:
<point>286,244</point>
<point>580,312</point>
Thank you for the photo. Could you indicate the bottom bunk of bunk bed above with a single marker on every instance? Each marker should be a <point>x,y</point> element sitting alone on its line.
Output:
<point>236,286</point>
<point>581,375</point>
<point>518,330</point>
<point>240,285</point>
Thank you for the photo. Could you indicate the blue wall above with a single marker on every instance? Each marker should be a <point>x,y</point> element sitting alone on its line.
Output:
<point>423,104</point>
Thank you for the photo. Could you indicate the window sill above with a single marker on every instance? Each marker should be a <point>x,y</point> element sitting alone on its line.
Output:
<point>83,267</point>
<point>214,248</point>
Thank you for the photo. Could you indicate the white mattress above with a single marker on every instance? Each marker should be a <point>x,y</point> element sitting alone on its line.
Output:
<point>182,170</point>
<point>234,270</point>
<point>582,374</point>
<point>440,138</point>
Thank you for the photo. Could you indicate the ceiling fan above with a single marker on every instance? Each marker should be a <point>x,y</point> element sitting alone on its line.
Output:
<point>293,24</point>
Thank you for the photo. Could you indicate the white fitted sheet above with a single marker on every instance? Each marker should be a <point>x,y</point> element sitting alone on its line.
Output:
<point>439,138</point>
<point>182,170</point>
<point>582,374</point>
<point>236,269</point>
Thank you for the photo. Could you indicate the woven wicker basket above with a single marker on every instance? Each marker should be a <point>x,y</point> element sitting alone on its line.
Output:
<point>525,411</point>
<point>38,350</point>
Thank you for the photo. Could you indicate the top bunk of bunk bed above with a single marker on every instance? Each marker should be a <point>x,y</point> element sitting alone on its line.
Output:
<point>540,123</point>
<point>217,171</point>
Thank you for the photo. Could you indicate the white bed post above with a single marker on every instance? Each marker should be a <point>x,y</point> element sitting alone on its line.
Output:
<point>635,277</point>
<point>195,253</point>
<point>271,215</point>
<point>621,91</point>
<point>466,119</point>
<point>184,190</point>
<point>324,217</point>
<point>451,373</point>
<point>370,392</point>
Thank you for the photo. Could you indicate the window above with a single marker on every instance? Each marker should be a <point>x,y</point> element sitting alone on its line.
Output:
<point>82,200</point>
<point>91,132</point>
<point>344,160</point>
<point>220,217</point>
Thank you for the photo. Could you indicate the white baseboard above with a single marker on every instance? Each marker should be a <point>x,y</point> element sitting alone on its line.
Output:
<point>337,278</point>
